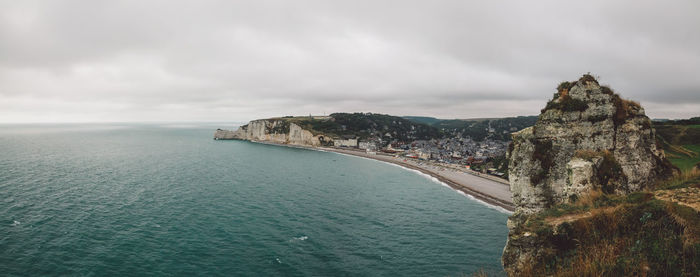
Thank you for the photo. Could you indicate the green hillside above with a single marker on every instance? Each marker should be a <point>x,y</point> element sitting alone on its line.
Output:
<point>481,128</point>
<point>423,119</point>
<point>680,140</point>
<point>367,125</point>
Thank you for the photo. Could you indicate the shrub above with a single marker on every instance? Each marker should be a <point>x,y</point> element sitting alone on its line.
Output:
<point>608,171</point>
<point>543,153</point>
<point>511,147</point>
<point>607,90</point>
<point>564,86</point>
<point>623,109</point>
<point>565,103</point>
<point>570,105</point>
<point>538,177</point>
<point>280,127</point>
<point>588,78</point>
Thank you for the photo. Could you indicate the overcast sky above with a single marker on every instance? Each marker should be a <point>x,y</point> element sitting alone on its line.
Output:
<point>78,61</point>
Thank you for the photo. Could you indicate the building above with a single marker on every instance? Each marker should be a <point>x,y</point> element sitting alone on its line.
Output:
<point>345,143</point>
<point>367,145</point>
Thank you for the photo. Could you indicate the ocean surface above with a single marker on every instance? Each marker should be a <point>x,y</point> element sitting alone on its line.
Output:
<point>168,200</point>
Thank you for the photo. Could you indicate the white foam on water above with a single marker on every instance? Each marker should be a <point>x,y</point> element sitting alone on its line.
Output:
<point>436,180</point>
<point>278,260</point>
<point>498,208</point>
<point>302,238</point>
<point>15,223</point>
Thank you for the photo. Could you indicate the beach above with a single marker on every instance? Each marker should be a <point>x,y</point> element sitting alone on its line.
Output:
<point>487,188</point>
<point>483,187</point>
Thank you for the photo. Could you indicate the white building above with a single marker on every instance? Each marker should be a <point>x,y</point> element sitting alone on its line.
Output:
<point>367,145</point>
<point>345,142</point>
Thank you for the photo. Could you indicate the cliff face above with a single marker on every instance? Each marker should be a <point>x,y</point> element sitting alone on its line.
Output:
<point>275,131</point>
<point>586,139</point>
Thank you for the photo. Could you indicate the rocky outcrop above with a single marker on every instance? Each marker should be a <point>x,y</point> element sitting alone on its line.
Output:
<point>274,131</point>
<point>586,138</point>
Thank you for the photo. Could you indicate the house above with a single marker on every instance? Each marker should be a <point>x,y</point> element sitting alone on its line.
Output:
<point>424,155</point>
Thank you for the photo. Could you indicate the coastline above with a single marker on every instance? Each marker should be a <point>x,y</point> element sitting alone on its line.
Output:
<point>481,187</point>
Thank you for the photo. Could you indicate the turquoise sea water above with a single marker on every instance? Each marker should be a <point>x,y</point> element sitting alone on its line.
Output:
<point>154,200</point>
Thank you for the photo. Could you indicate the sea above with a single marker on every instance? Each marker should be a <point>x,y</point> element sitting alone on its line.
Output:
<point>168,200</point>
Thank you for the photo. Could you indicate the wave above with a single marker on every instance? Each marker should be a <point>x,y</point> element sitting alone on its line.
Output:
<point>302,238</point>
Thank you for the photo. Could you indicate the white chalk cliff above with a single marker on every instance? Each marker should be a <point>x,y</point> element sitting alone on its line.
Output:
<point>274,131</point>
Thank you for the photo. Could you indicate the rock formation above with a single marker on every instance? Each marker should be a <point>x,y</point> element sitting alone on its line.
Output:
<point>586,138</point>
<point>274,131</point>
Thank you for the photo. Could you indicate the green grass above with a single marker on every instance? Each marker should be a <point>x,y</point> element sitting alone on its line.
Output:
<point>685,161</point>
<point>685,179</point>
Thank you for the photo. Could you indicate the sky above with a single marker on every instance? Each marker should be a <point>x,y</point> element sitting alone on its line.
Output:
<point>124,61</point>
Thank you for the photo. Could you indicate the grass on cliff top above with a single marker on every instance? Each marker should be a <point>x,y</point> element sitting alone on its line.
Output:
<point>690,178</point>
<point>561,100</point>
<point>686,157</point>
<point>612,235</point>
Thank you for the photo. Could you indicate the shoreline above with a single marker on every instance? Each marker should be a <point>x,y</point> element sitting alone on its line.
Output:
<point>482,188</point>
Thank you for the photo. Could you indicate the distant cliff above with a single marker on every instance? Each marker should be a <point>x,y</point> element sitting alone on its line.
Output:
<point>274,130</point>
<point>580,179</point>
<point>342,128</point>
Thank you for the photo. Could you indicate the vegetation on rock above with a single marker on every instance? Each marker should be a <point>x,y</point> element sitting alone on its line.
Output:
<point>617,235</point>
<point>608,171</point>
<point>279,127</point>
<point>624,109</point>
<point>563,102</point>
<point>542,153</point>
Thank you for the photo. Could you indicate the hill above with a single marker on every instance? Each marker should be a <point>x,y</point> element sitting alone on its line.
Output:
<point>367,126</point>
<point>422,119</point>
<point>479,129</point>
<point>680,139</point>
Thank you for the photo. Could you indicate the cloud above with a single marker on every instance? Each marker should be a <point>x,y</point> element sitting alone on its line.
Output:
<point>240,60</point>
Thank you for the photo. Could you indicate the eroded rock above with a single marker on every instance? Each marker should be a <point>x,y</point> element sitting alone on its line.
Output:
<point>587,138</point>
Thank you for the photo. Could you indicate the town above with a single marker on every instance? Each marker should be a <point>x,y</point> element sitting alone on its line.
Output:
<point>486,156</point>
